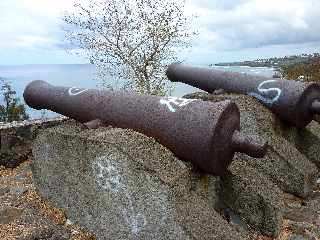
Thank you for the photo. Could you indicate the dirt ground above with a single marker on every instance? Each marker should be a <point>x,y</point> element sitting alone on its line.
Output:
<point>25,216</point>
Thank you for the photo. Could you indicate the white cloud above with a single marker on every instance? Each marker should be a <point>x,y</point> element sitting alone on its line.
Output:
<point>225,26</point>
<point>257,23</point>
<point>48,8</point>
<point>31,24</point>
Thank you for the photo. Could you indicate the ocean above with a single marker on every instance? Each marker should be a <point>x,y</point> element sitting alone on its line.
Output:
<point>84,76</point>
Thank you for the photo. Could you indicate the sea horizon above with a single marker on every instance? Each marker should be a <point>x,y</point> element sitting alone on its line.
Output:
<point>83,75</point>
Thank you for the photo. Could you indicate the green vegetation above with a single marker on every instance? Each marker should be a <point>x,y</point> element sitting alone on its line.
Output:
<point>276,62</point>
<point>308,71</point>
<point>305,67</point>
<point>11,109</point>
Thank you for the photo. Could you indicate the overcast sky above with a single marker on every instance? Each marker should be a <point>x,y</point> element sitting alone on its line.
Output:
<point>229,30</point>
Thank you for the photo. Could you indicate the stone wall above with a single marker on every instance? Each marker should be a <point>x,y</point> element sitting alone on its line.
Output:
<point>16,139</point>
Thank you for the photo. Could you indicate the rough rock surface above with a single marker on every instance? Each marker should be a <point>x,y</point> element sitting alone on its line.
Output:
<point>305,140</point>
<point>291,163</point>
<point>254,197</point>
<point>248,192</point>
<point>120,184</point>
<point>16,139</point>
<point>287,167</point>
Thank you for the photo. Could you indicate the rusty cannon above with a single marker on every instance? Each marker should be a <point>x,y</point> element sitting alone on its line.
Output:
<point>205,133</point>
<point>294,102</point>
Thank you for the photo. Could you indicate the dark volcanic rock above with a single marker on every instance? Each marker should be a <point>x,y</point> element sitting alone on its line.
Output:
<point>12,158</point>
<point>253,197</point>
<point>305,140</point>
<point>9,215</point>
<point>16,139</point>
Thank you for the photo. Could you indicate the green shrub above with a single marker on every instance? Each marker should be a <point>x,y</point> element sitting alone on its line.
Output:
<point>307,71</point>
<point>11,109</point>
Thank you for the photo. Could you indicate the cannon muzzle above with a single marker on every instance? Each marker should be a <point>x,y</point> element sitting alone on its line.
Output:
<point>205,133</point>
<point>294,102</point>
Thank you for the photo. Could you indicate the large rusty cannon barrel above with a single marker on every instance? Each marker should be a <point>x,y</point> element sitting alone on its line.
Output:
<point>294,102</point>
<point>204,133</point>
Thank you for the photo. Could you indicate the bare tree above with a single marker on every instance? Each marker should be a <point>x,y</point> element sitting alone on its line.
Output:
<point>132,40</point>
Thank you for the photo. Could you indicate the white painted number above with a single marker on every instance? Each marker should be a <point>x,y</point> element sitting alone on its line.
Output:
<point>180,102</point>
<point>73,91</point>
<point>264,91</point>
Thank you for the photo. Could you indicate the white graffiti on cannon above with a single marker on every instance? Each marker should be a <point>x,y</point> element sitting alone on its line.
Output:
<point>73,91</point>
<point>180,102</point>
<point>263,91</point>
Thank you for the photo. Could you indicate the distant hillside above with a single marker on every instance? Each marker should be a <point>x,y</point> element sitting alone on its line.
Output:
<point>305,67</point>
<point>275,62</point>
<point>308,71</point>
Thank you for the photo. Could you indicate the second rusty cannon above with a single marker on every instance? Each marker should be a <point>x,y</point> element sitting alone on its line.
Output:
<point>294,102</point>
<point>204,133</point>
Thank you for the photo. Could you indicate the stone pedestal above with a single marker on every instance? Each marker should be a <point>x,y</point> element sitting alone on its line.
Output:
<point>120,184</point>
<point>288,164</point>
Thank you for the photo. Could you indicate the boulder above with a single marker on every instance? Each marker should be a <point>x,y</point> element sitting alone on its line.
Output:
<point>306,140</point>
<point>253,197</point>
<point>288,168</point>
<point>120,184</point>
